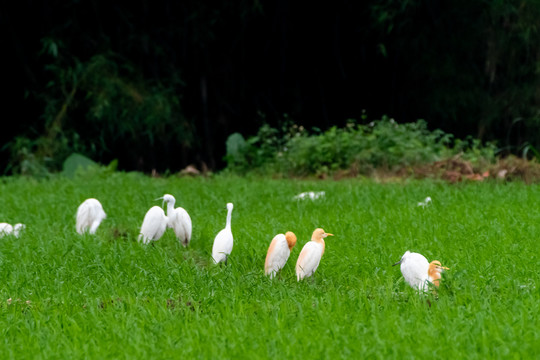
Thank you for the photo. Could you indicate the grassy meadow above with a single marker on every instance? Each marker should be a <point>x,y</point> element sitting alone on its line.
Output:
<point>107,296</point>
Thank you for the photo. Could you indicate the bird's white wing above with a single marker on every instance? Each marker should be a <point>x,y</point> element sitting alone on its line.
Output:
<point>18,228</point>
<point>5,229</point>
<point>415,270</point>
<point>181,224</point>
<point>97,214</point>
<point>83,217</point>
<point>308,260</point>
<point>89,215</point>
<point>277,256</point>
<point>223,244</point>
<point>154,224</point>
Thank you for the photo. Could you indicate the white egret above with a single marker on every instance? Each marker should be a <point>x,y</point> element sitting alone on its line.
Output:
<point>223,243</point>
<point>418,272</point>
<point>424,203</point>
<point>89,215</point>
<point>313,195</point>
<point>5,229</point>
<point>311,254</point>
<point>154,225</point>
<point>278,253</point>
<point>178,220</point>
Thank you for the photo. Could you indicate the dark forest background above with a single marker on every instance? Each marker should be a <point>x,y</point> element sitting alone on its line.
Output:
<point>162,84</point>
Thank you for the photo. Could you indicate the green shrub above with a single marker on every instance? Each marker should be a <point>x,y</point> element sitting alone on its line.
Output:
<point>379,144</point>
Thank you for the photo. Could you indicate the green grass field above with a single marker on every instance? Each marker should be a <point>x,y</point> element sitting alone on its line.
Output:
<point>107,296</point>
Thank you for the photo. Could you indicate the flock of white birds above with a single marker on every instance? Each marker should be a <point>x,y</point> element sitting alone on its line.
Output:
<point>417,271</point>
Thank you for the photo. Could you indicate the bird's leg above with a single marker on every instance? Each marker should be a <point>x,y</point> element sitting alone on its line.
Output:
<point>226,258</point>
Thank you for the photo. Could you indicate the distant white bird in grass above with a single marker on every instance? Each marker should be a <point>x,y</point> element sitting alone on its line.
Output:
<point>223,243</point>
<point>178,220</point>
<point>154,225</point>
<point>279,252</point>
<point>425,203</point>
<point>309,195</point>
<point>89,215</point>
<point>311,254</point>
<point>5,229</point>
<point>418,272</point>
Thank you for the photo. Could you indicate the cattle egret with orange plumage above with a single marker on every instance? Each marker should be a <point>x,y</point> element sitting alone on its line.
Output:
<point>418,272</point>
<point>89,215</point>
<point>223,243</point>
<point>278,253</point>
<point>311,254</point>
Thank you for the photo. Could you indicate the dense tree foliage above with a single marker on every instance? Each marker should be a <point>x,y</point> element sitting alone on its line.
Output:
<point>159,85</point>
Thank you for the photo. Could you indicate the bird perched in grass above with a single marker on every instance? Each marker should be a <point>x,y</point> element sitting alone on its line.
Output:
<point>311,254</point>
<point>223,243</point>
<point>178,220</point>
<point>278,253</point>
<point>425,203</point>
<point>89,215</point>
<point>418,272</point>
<point>154,225</point>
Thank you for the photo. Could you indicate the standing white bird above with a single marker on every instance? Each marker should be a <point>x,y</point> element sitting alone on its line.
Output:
<point>154,225</point>
<point>278,253</point>
<point>5,229</point>
<point>424,203</point>
<point>418,272</point>
<point>89,215</point>
<point>223,243</point>
<point>311,254</point>
<point>179,220</point>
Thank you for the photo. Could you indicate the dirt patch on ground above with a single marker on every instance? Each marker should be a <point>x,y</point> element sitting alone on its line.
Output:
<point>453,170</point>
<point>456,170</point>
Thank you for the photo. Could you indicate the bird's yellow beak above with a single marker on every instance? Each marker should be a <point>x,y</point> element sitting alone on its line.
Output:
<point>327,234</point>
<point>445,268</point>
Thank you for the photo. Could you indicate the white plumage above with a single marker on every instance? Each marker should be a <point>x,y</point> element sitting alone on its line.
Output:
<point>89,215</point>
<point>223,243</point>
<point>278,253</point>
<point>425,203</point>
<point>18,228</point>
<point>154,225</point>
<point>5,229</point>
<point>178,220</point>
<point>313,195</point>
<point>311,254</point>
<point>414,267</point>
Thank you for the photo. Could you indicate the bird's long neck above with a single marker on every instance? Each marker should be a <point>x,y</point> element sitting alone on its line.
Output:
<point>228,224</point>
<point>170,207</point>
<point>434,274</point>
<point>319,240</point>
